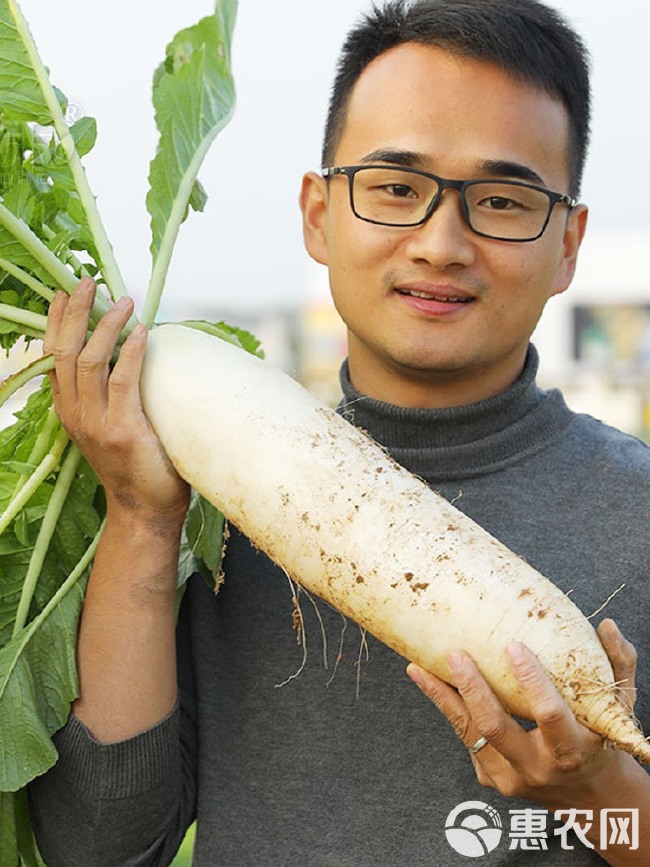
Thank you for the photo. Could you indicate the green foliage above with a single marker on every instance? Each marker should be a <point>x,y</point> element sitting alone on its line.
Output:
<point>17,846</point>
<point>52,507</point>
<point>201,544</point>
<point>194,98</point>
<point>21,92</point>
<point>42,218</point>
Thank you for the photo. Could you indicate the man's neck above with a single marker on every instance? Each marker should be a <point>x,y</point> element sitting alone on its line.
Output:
<point>432,389</point>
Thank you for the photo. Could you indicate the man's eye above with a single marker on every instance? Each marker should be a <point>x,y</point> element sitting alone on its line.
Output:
<point>401,191</point>
<point>500,203</point>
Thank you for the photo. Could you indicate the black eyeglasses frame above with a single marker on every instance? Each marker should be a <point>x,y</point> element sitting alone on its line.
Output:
<point>444,184</point>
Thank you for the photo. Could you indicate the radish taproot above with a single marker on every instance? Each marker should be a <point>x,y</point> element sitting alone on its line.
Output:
<point>328,505</point>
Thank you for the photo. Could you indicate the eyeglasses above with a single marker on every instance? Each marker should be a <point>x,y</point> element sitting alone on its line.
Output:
<point>398,196</point>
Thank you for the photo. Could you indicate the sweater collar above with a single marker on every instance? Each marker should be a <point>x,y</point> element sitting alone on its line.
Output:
<point>465,440</point>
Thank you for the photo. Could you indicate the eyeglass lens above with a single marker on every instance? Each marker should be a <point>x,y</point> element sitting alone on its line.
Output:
<point>394,197</point>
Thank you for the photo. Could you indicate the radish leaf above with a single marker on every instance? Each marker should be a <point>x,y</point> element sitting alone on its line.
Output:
<point>52,507</point>
<point>194,98</point>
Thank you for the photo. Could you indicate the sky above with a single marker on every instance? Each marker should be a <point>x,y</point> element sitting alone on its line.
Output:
<point>245,252</point>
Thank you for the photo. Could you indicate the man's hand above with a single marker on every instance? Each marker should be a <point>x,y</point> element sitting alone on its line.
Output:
<point>101,410</point>
<point>559,763</point>
<point>126,652</point>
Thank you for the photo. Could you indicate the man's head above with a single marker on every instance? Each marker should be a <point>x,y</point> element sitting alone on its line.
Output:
<point>527,39</point>
<point>441,162</point>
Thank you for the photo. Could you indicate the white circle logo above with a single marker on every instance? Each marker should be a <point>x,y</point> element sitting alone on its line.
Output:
<point>473,829</point>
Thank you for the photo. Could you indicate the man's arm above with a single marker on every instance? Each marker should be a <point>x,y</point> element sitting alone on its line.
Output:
<point>560,764</point>
<point>126,649</point>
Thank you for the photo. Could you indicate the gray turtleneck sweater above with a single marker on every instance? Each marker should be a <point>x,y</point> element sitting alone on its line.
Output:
<point>351,766</point>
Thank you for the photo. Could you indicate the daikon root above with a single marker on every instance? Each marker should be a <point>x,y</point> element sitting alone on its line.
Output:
<point>350,525</point>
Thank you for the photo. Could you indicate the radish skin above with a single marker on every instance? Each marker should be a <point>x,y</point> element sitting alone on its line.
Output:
<point>329,506</point>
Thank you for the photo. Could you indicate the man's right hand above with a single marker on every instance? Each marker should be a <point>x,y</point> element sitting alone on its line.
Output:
<point>101,410</point>
<point>126,652</point>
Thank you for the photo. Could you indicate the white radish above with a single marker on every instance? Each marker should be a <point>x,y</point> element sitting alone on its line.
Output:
<point>328,505</point>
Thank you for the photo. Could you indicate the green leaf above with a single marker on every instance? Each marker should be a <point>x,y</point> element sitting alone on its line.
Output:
<point>28,251</point>
<point>17,844</point>
<point>199,197</point>
<point>11,158</point>
<point>26,94</point>
<point>51,233</point>
<point>38,681</point>
<point>84,133</point>
<point>42,220</point>
<point>8,831</point>
<point>230,333</point>
<point>246,340</point>
<point>21,89</point>
<point>194,98</point>
<point>202,542</point>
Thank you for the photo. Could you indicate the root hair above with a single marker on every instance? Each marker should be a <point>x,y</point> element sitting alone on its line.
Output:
<point>606,602</point>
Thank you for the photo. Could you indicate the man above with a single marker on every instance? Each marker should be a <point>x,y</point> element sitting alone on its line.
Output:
<point>446,216</point>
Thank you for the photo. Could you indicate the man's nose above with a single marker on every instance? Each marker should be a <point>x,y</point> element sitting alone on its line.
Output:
<point>444,238</point>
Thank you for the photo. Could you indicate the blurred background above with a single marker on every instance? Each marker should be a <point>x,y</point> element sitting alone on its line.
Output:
<point>243,259</point>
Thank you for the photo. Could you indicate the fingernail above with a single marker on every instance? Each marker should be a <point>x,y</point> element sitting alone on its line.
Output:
<point>456,662</point>
<point>515,652</point>
<point>413,672</point>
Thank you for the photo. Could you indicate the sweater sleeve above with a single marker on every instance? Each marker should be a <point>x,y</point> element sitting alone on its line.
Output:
<point>126,804</point>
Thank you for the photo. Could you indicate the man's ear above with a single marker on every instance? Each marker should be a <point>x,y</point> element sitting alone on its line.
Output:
<point>313,204</point>
<point>573,235</point>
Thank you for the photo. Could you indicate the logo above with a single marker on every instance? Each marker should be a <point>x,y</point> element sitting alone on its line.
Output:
<point>619,828</point>
<point>473,829</point>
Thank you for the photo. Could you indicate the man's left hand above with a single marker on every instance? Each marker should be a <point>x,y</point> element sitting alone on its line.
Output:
<point>559,763</point>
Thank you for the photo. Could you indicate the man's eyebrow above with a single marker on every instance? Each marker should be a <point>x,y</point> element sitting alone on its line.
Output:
<point>411,159</point>
<point>489,168</point>
<point>508,169</point>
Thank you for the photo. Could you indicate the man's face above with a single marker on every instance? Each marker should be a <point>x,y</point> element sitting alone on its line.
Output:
<point>437,315</point>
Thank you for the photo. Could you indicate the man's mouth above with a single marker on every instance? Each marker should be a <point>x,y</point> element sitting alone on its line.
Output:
<point>439,297</point>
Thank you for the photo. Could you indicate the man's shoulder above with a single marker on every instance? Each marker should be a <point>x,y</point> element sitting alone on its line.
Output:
<point>612,449</point>
<point>607,436</point>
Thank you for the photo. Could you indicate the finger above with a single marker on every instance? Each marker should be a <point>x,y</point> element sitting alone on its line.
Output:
<point>485,709</point>
<point>546,705</point>
<point>95,357</point>
<point>562,734</point>
<point>623,656</point>
<point>452,706</point>
<point>70,321</point>
<point>54,320</point>
<point>448,702</point>
<point>124,383</point>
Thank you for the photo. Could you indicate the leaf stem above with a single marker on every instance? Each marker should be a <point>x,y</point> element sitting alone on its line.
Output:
<point>27,279</point>
<point>41,446</point>
<point>212,329</point>
<point>48,527</point>
<point>63,590</point>
<point>109,264</point>
<point>35,321</point>
<point>68,256</point>
<point>49,463</point>
<point>163,258</point>
<point>13,383</point>
<point>61,275</point>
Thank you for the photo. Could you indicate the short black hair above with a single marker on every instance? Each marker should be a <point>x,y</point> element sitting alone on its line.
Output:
<point>526,38</point>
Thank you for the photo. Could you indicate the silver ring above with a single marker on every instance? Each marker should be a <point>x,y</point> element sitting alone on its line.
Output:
<point>480,743</point>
